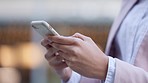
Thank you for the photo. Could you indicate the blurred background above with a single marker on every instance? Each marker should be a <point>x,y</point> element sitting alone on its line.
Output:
<point>22,56</point>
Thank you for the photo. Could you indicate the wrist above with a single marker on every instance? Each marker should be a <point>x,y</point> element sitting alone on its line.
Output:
<point>102,68</point>
<point>106,61</point>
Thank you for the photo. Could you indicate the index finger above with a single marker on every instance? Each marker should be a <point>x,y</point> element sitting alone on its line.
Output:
<point>63,40</point>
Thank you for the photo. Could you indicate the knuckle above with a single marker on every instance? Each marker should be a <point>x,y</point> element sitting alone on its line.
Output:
<point>77,33</point>
<point>89,38</point>
<point>46,56</point>
<point>75,41</point>
<point>42,42</point>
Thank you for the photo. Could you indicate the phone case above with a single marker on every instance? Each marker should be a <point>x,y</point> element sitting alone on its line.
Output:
<point>43,28</point>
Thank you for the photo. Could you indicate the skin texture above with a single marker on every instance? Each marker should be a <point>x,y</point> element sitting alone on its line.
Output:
<point>80,53</point>
<point>55,61</point>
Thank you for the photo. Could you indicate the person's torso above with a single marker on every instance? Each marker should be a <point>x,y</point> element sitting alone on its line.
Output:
<point>131,32</point>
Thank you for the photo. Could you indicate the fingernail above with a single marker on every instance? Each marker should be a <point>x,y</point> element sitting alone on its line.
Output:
<point>56,53</point>
<point>49,41</point>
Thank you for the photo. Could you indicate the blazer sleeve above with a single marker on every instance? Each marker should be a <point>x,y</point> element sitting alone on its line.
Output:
<point>127,73</point>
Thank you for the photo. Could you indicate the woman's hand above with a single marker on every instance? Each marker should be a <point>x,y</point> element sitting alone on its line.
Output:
<point>81,55</point>
<point>56,61</point>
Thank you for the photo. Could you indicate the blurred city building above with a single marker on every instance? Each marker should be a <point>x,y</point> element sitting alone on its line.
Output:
<point>22,56</point>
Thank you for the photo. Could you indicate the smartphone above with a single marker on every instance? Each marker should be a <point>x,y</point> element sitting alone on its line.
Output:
<point>43,28</point>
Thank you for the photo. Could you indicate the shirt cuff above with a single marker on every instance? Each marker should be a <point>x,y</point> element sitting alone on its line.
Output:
<point>111,70</point>
<point>75,78</point>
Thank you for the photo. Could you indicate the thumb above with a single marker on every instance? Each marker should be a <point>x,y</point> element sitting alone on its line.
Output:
<point>81,36</point>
